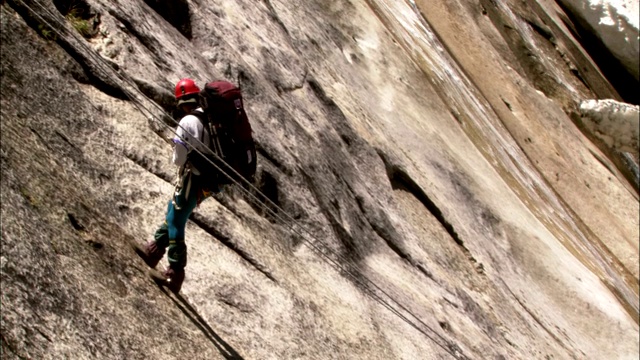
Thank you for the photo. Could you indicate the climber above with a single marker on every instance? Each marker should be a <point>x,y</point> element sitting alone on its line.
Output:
<point>191,189</point>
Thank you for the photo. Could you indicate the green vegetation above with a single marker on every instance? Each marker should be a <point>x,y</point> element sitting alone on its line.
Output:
<point>46,33</point>
<point>82,26</point>
<point>79,15</point>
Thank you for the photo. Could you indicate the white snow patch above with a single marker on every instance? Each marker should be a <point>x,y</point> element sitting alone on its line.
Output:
<point>616,123</point>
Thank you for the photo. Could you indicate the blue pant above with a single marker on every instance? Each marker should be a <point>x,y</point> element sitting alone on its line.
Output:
<point>171,233</point>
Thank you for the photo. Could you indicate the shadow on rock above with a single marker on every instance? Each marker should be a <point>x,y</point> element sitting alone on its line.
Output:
<point>225,349</point>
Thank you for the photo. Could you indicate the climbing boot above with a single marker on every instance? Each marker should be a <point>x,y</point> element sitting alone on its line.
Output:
<point>151,253</point>
<point>175,277</point>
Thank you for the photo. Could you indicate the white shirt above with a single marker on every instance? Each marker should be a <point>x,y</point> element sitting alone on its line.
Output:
<point>190,134</point>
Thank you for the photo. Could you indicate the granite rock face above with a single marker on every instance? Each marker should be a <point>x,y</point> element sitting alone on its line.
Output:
<point>429,195</point>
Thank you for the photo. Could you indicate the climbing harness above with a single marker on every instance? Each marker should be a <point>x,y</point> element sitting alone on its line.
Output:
<point>179,186</point>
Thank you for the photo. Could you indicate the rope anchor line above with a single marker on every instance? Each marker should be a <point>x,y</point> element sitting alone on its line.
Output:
<point>370,288</point>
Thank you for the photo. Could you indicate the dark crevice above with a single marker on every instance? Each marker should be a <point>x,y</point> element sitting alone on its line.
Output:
<point>322,96</point>
<point>95,245</point>
<point>352,249</point>
<point>575,72</point>
<point>226,241</point>
<point>542,30</point>
<point>403,254</point>
<point>159,95</point>
<point>95,72</point>
<point>386,232</point>
<point>76,8</point>
<point>75,223</point>
<point>272,159</point>
<point>396,248</point>
<point>349,136</point>
<point>400,180</point>
<point>445,326</point>
<point>603,162</point>
<point>42,140</point>
<point>627,166</point>
<point>66,139</point>
<point>268,186</point>
<point>425,271</point>
<point>451,303</point>
<point>384,229</point>
<point>234,305</point>
<point>507,104</point>
<point>44,335</point>
<point>623,81</point>
<point>176,12</point>
<point>276,18</point>
<point>632,169</point>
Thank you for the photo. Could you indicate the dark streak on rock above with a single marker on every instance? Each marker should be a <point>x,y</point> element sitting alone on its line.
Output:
<point>75,223</point>
<point>176,12</point>
<point>401,180</point>
<point>226,241</point>
<point>144,163</point>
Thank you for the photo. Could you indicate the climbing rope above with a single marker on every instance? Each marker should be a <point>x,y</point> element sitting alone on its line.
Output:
<point>333,258</point>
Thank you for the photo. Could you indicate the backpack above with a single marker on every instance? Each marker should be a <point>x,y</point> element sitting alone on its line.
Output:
<point>230,133</point>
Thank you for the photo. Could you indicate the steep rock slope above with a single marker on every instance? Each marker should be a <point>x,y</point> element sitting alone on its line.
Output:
<point>361,143</point>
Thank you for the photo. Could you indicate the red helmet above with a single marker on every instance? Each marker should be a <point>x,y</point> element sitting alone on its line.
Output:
<point>186,87</point>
